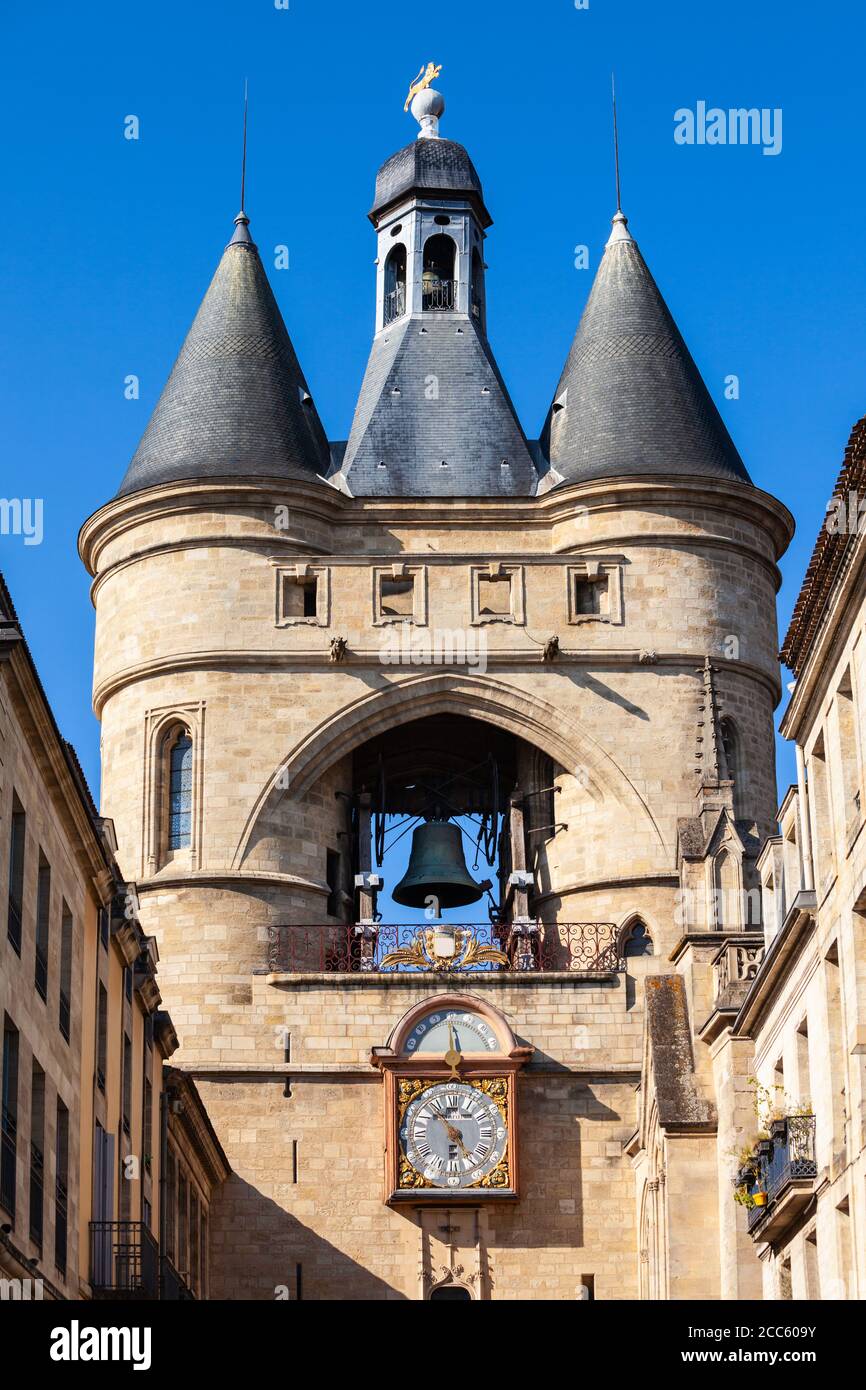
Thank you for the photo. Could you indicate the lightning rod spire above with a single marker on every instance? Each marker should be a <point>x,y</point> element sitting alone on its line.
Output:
<point>615,143</point>
<point>244,156</point>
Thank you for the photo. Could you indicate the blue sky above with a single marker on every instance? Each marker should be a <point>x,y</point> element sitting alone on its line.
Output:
<point>110,243</point>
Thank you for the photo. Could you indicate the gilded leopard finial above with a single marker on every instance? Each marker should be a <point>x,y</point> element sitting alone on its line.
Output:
<point>423,80</point>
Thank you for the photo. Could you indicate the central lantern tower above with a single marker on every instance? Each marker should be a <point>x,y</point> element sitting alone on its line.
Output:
<point>302,646</point>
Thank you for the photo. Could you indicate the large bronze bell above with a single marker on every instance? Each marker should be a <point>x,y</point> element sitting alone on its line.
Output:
<point>437,869</point>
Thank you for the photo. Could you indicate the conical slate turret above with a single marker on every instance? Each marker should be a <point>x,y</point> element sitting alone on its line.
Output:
<point>236,403</point>
<point>630,399</point>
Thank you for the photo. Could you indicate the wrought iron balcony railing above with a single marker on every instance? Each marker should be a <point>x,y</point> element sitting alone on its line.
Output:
<point>37,1174</point>
<point>395,304</point>
<point>172,1285</point>
<point>589,947</point>
<point>61,1222</point>
<point>124,1260</point>
<point>8,1157</point>
<point>791,1160</point>
<point>439,296</point>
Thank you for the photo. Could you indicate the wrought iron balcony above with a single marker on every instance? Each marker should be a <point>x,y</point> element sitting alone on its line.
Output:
<point>8,1155</point>
<point>395,304</point>
<point>61,1223</point>
<point>588,947</point>
<point>124,1260</point>
<point>172,1285</point>
<point>37,1174</point>
<point>786,1173</point>
<point>439,295</point>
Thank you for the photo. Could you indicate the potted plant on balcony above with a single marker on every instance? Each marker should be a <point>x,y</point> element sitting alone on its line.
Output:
<point>749,1191</point>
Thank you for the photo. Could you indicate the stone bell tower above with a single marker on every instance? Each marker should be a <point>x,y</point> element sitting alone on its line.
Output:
<point>417,1110</point>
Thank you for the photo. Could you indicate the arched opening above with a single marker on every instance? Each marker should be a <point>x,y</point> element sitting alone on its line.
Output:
<point>450,1293</point>
<point>438,282</point>
<point>726,893</point>
<point>445,859</point>
<point>476,296</point>
<point>636,940</point>
<point>731,745</point>
<point>395,284</point>
<point>179,791</point>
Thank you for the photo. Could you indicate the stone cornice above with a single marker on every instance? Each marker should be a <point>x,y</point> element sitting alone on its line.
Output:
<point>195,1122</point>
<point>844,612</point>
<point>226,878</point>
<point>357,1071</point>
<point>777,963</point>
<point>410,980</point>
<point>660,879</point>
<point>39,726</point>
<point>336,509</point>
<point>318,658</point>
<point>833,554</point>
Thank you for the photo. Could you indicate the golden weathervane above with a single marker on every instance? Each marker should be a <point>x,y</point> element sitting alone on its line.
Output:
<point>421,81</point>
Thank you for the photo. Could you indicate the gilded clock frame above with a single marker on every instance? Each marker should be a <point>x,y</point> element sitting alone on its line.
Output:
<point>408,1075</point>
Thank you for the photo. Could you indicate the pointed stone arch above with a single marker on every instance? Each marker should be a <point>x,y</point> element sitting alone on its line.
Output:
<point>635,922</point>
<point>493,701</point>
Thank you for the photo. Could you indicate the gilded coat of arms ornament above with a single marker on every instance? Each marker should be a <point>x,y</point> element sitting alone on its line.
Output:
<point>451,949</point>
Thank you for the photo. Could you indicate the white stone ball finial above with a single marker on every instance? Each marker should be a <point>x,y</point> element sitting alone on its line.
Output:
<point>427,107</point>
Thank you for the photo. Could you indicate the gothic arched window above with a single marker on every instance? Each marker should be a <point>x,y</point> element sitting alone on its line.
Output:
<point>731,744</point>
<point>438,281</point>
<point>726,893</point>
<point>395,284</point>
<point>180,792</point>
<point>637,941</point>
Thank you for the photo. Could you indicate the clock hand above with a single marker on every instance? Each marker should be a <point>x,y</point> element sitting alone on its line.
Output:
<point>452,1057</point>
<point>455,1135</point>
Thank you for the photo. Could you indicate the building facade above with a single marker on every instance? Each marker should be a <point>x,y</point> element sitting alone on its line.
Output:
<point>807,1009</point>
<point>302,645</point>
<point>84,1036</point>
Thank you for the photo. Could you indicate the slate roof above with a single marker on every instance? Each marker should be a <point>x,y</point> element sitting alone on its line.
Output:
<point>236,402</point>
<point>631,400</point>
<point>470,422</point>
<point>428,166</point>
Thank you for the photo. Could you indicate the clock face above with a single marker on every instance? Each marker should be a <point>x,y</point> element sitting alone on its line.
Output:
<point>471,1033</point>
<point>453,1134</point>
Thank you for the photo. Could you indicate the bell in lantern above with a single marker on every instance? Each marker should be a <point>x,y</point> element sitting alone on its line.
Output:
<point>437,869</point>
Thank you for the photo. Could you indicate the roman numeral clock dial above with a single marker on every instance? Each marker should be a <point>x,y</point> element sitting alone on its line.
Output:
<point>454,1135</point>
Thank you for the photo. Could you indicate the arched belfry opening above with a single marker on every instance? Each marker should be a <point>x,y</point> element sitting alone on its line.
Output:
<point>447,825</point>
<point>438,276</point>
<point>437,792</point>
<point>395,284</point>
<point>477,305</point>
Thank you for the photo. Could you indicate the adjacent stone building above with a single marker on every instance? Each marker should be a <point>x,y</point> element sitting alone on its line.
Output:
<point>302,645</point>
<point>84,1037</point>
